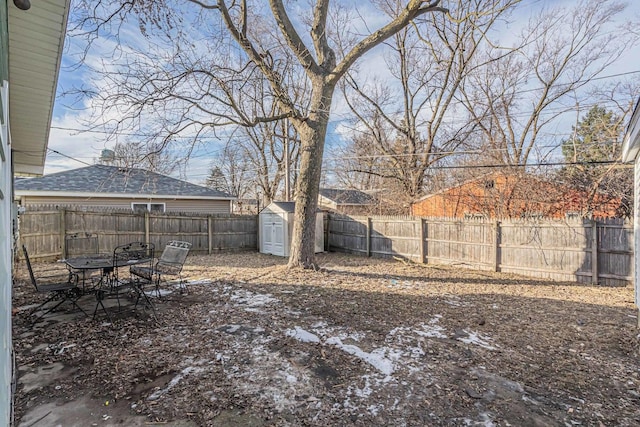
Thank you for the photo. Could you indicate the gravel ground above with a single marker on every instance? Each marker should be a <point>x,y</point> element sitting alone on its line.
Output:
<point>362,341</point>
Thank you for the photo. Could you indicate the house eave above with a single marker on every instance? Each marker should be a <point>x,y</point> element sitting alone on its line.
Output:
<point>631,144</point>
<point>35,193</point>
<point>36,41</point>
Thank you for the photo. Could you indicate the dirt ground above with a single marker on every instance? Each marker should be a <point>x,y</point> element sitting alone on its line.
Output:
<point>363,342</point>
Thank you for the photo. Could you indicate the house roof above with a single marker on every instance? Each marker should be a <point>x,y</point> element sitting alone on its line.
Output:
<point>36,39</point>
<point>347,197</point>
<point>102,180</point>
<point>483,177</point>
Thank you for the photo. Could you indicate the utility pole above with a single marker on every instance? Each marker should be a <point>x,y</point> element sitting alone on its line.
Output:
<point>287,169</point>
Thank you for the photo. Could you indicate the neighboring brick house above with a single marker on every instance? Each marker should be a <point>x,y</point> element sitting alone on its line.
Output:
<point>353,202</point>
<point>500,195</point>
<point>101,186</point>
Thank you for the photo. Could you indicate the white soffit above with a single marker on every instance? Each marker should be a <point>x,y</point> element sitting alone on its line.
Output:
<point>631,144</point>
<point>36,38</point>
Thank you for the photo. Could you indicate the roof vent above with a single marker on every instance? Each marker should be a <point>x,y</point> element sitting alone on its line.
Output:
<point>107,156</point>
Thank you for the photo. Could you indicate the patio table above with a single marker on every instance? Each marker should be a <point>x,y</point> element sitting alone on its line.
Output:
<point>87,263</point>
<point>103,262</point>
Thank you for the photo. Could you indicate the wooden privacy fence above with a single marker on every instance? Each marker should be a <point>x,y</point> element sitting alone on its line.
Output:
<point>582,251</point>
<point>44,231</point>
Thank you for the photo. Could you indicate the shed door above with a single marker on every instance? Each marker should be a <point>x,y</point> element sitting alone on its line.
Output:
<point>273,234</point>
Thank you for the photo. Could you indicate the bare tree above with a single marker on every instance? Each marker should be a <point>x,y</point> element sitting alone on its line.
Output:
<point>263,149</point>
<point>138,155</point>
<point>411,119</point>
<point>202,91</point>
<point>557,55</point>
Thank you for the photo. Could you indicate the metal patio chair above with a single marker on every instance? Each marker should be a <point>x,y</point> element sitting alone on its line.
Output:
<point>121,284</point>
<point>82,244</point>
<point>58,285</point>
<point>169,264</point>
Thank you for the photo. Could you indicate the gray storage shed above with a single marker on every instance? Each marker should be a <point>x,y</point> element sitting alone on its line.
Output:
<point>276,229</point>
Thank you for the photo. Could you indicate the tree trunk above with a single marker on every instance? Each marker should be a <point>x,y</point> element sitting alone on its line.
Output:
<point>312,137</point>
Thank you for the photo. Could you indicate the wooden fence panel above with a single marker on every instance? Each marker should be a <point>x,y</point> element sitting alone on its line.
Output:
<point>459,242</point>
<point>395,238</point>
<point>40,233</point>
<point>554,250</point>
<point>43,231</point>
<point>615,249</point>
<point>580,251</point>
<point>166,227</point>
<point>348,234</point>
<point>234,233</point>
<point>113,227</point>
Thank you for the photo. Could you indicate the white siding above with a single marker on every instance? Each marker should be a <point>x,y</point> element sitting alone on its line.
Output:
<point>5,263</point>
<point>636,229</point>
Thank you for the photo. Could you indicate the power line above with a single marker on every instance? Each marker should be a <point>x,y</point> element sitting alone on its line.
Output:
<point>68,157</point>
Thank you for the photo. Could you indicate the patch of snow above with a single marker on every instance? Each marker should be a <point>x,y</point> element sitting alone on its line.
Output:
<point>153,293</point>
<point>324,331</point>
<point>454,303</point>
<point>364,394</point>
<point>294,313</point>
<point>432,330</point>
<point>199,282</point>
<point>485,421</point>
<point>377,358</point>
<point>302,335</point>
<point>286,382</point>
<point>186,371</point>
<point>254,310</point>
<point>291,379</point>
<point>231,328</point>
<point>374,409</point>
<point>250,300</point>
<point>365,391</point>
<point>477,339</point>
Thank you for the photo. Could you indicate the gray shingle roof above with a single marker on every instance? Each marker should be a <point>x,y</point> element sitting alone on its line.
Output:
<point>116,180</point>
<point>347,197</point>
<point>286,206</point>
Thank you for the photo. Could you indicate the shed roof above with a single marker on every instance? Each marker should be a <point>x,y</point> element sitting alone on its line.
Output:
<point>288,207</point>
<point>347,197</point>
<point>113,180</point>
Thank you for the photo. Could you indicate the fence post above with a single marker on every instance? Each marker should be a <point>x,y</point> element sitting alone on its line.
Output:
<point>421,247</point>
<point>209,234</point>
<point>147,231</point>
<point>594,252</point>
<point>496,246</point>
<point>368,236</point>
<point>63,231</point>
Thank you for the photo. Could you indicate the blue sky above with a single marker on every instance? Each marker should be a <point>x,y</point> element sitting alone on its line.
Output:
<point>71,148</point>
